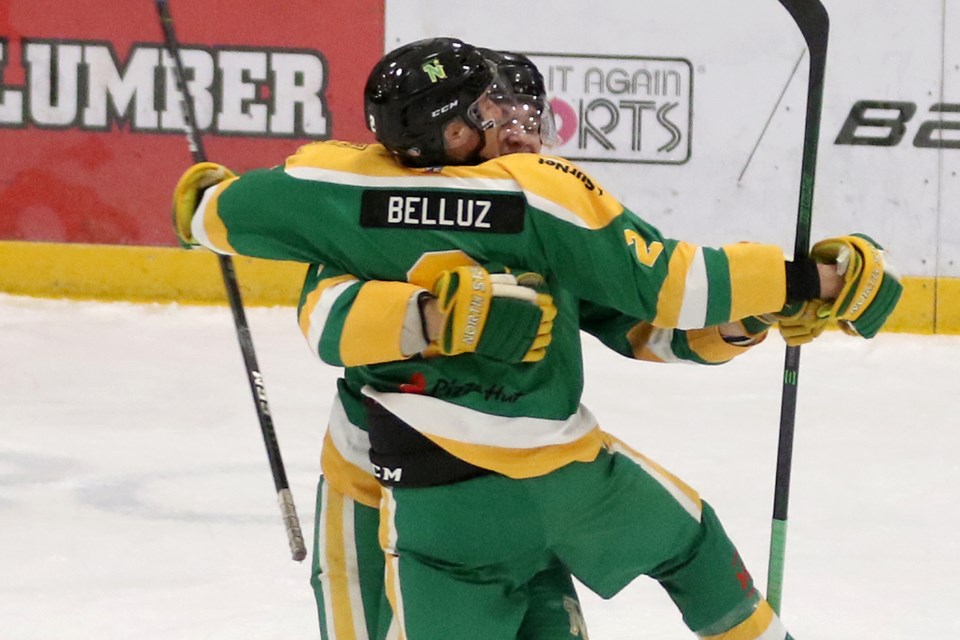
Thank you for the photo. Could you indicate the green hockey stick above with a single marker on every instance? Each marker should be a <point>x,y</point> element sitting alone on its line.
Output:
<point>814,23</point>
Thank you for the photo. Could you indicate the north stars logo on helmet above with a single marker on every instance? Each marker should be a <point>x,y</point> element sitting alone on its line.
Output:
<point>434,70</point>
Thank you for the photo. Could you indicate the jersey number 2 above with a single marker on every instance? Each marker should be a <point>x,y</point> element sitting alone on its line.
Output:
<point>647,254</point>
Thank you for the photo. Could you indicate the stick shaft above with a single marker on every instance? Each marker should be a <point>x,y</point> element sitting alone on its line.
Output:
<point>287,509</point>
<point>812,20</point>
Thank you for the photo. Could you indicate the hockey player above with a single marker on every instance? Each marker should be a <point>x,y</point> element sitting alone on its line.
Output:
<point>387,320</point>
<point>347,484</point>
<point>544,484</point>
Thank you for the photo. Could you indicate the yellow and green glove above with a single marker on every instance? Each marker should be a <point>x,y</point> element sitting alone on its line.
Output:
<point>798,322</point>
<point>871,287</point>
<point>500,316</point>
<point>189,191</point>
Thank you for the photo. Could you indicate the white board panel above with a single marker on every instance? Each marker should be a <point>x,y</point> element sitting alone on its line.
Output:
<point>882,51</point>
<point>747,93</point>
<point>949,221</point>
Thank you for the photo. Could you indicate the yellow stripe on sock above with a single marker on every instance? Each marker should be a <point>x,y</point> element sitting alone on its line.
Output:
<point>337,572</point>
<point>388,540</point>
<point>763,624</point>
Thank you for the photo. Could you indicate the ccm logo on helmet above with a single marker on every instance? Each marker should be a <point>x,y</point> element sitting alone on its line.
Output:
<point>445,108</point>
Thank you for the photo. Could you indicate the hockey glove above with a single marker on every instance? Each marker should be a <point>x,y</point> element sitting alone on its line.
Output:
<point>799,322</point>
<point>494,315</point>
<point>189,191</point>
<point>871,288</point>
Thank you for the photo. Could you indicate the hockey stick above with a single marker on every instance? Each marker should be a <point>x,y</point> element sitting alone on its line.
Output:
<point>814,23</point>
<point>287,509</point>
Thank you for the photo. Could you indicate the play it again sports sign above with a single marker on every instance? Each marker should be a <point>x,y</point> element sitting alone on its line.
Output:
<point>620,108</point>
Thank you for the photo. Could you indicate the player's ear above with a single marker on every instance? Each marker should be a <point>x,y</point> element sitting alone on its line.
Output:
<point>458,136</point>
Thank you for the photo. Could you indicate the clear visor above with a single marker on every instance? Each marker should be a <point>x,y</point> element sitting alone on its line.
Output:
<point>531,115</point>
<point>499,107</point>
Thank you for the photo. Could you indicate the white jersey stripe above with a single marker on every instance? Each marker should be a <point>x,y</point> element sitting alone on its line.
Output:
<point>321,313</point>
<point>555,210</point>
<point>350,441</point>
<point>393,631</point>
<point>421,181</point>
<point>660,344</point>
<point>352,564</point>
<point>432,416</point>
<point>437,182</point>
<point>196,223</point>
<point>322,544</point>
<point>693,310</point>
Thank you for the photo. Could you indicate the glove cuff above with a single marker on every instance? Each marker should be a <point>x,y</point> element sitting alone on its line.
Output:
<point>803,280</point>
<point>422,299</point>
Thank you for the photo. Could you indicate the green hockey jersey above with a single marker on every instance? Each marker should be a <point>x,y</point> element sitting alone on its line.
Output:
<point>354,208</point>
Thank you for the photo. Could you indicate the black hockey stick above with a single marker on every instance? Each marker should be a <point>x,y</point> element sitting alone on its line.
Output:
<point>287,509</point>
<point>811,17</point>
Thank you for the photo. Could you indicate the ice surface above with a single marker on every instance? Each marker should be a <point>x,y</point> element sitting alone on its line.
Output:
<point>136,500</point>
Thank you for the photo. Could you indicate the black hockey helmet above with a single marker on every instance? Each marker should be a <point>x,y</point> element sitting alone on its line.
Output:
<point>415,90</point>
<point>529,93</point>
<point>519,70</point>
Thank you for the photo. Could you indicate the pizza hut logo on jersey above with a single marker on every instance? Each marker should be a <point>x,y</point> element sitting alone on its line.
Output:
<point>620,108</point>
<point>450,388</point>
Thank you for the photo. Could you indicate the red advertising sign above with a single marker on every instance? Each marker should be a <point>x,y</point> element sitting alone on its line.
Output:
<point>91,130</point>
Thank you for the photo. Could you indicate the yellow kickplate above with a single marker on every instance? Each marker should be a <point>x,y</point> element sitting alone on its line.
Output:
<point>141,274</point>
<point>164,274</point>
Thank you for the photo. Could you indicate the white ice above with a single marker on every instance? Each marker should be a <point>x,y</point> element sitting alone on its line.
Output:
<point>136,501</point>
